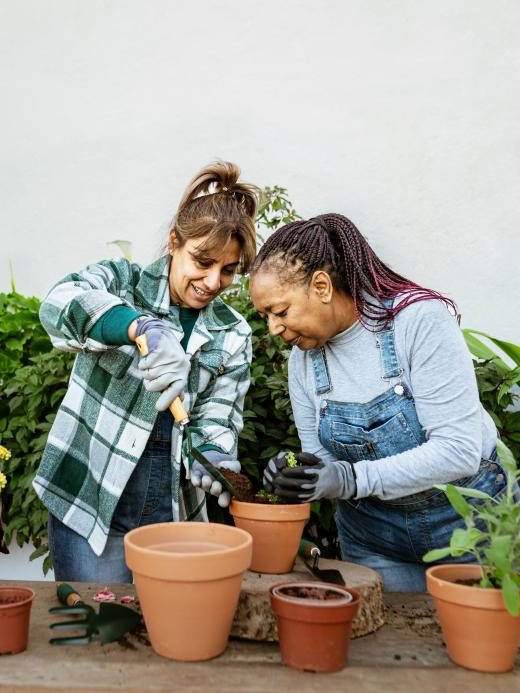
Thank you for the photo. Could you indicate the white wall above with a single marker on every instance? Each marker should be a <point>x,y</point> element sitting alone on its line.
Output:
<point>401,114</point>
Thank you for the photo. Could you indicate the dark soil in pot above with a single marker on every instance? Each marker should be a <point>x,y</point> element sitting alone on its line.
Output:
<point>311,593</point>
<point>245,490</point>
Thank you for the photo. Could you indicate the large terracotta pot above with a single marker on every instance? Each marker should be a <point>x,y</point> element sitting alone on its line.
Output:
<point>276,532</point>
<point>15,612</point>
<point>314,632</point>
<point>188,577</point>
<point>479,633</point>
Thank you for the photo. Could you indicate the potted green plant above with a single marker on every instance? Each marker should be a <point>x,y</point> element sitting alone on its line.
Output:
<point>479,604</point>
<point>276,526</point>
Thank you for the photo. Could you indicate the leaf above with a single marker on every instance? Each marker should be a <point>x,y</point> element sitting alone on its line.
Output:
<point>457,501</point>
<point>511,595</point>
<point>478,348</point>
<point>467,492</point>
<point>125,248</point>
<point>437,554</point>
<point>506,457</point>
<point>511,350</point>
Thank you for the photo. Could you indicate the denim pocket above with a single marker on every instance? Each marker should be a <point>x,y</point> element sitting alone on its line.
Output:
<point>372,440</point>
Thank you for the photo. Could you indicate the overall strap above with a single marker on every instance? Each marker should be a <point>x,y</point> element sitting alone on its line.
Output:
<point>321,371</point>
<point>386,344</point>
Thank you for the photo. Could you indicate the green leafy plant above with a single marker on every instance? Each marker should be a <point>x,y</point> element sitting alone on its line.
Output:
<point>497,382</point>
<point>21,334</point>
<point>31,372</point>
<point>492,533</point>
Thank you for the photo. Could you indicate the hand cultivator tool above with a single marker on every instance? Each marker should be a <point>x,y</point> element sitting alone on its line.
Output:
<point>111,622</point>
<point>309,551</point>
<point>182,418</point>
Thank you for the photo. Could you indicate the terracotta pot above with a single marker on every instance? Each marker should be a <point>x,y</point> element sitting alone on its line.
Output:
<point>15,612</point>
<point>479,633</point>
<point>188,577</point>
<point>276,532</point>
<point>314,633</point>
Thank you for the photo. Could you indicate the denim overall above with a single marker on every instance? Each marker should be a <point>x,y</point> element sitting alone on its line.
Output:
<point>145,500</point>
<point>390,536</point>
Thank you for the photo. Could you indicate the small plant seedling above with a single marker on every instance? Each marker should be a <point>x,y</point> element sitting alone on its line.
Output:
<point>271,498</point>
<point>291,460</point>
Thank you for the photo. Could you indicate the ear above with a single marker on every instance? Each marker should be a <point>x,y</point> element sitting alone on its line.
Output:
<point>173,241</point>
<point>321,284</point>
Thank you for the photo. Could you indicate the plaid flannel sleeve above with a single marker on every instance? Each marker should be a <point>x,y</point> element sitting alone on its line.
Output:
<point>217,416</point>
<point>78,301</point>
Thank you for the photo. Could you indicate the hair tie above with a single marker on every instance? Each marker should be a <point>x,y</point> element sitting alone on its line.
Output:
<point>320,221</point>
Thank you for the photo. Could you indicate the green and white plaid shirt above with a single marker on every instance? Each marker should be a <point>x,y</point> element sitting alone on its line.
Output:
<point>106,417</point>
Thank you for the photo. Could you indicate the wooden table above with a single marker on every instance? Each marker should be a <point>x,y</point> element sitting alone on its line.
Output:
<point>405,655</point>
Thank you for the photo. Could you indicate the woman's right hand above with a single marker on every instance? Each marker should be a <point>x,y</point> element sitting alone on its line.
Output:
<point>166,367</point>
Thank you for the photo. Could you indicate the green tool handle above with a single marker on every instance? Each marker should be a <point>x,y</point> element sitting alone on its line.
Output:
<point>68,595</point>
<point>308,549</point>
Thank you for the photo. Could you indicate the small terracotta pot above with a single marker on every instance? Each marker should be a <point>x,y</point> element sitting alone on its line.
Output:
<point>479,632</point>
<point>314,633</point>
<point>276,532</point>
<point>15,612</point>
<point>188,577</point>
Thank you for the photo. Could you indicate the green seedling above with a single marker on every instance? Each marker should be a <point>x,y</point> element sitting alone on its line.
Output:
<point>492,533</point>
<point>271,498</point>
<point>291,460</point>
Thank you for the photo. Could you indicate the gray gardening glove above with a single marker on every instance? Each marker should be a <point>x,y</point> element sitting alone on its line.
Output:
<point>314,479</point>
<point>166,367</point>
<point>200,477</point>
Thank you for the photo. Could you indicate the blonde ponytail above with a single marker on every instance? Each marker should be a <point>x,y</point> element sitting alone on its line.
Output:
<point>216,205</point>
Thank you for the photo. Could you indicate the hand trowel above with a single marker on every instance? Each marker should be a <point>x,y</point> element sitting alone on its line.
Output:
<point>181,417</point>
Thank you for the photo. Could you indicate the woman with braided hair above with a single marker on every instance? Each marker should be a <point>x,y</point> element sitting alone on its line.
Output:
<point>383,393</point>
<point>107,467</point>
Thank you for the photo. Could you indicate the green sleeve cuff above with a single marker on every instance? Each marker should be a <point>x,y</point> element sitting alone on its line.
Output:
<point>112,327</point>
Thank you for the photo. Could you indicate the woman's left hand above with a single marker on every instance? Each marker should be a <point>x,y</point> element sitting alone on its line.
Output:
<point>314,479</point>
<point>200,477</point>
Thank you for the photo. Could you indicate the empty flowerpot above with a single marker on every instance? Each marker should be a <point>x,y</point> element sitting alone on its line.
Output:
<point>188,577</point>
<point>15,612</point>
<point>276,531</point>
<point>314,623</point>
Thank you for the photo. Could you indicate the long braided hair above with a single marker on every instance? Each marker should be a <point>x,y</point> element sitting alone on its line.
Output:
<point>332,243</point>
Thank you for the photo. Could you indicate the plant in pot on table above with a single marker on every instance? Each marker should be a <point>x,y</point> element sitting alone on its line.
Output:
<point>479,604</point>
<point>276,526</point>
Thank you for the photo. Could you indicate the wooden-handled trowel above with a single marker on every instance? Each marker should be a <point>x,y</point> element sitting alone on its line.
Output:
<point>181,416</point>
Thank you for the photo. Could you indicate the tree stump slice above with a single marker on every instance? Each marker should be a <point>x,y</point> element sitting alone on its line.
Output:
<point>254,619</point>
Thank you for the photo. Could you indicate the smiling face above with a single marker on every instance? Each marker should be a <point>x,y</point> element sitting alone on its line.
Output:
<point>306,316</point>
<point>197,276</point>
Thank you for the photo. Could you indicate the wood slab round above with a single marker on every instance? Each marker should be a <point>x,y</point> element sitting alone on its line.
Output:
<point>254,619</point>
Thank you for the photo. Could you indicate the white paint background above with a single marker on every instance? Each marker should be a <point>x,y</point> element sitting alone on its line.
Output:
<point>401,114</point>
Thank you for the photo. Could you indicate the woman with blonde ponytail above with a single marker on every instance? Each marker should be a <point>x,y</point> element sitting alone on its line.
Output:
<point>107,466</point>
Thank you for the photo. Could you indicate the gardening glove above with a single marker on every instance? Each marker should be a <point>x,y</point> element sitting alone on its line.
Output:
<point>200,477</point>
<point>166,367</point>
<point>273,467</point>
<point>314,479</point>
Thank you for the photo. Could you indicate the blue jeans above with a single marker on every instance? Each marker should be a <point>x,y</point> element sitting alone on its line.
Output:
<point>145,500</point>
<point>392,538</point>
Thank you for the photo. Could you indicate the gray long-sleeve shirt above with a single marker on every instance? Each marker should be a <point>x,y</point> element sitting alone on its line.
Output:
<point>439,372</point>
